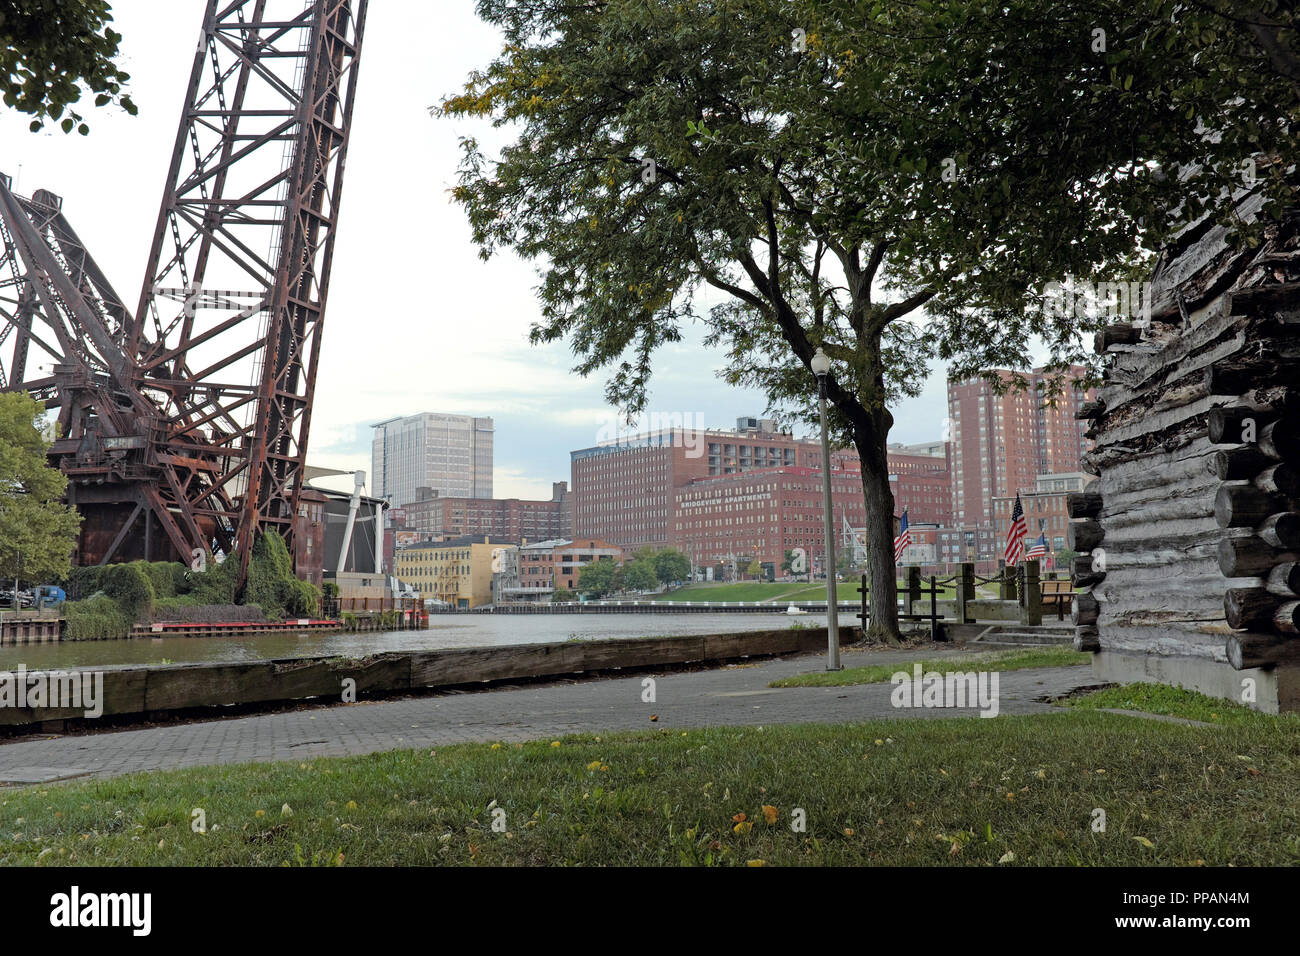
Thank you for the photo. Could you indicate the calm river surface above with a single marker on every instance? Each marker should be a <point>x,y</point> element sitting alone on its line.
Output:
<point>469,630</point>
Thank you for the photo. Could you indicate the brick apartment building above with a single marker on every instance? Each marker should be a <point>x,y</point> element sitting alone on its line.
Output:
<point>545,566</point>
<point>511,519</point>
<point>1002,443</point>
<point>921,483</point>
<point>759,515</point>
<point>623,491</point>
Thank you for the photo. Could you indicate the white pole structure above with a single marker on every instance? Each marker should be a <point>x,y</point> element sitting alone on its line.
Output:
<point>821,366</point>
<point>359,477</point>
<point>379,537</point>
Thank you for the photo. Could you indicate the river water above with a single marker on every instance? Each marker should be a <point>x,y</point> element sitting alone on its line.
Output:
<point>468,630</point>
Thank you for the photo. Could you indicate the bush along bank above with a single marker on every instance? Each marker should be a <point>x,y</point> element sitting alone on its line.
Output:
<point>108,601</point>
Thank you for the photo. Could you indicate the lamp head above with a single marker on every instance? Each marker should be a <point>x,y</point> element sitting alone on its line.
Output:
<point>820,363</point>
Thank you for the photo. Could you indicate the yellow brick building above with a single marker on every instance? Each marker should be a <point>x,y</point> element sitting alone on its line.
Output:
<point>458,572</point>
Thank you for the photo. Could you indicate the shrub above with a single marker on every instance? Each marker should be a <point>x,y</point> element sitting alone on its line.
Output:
<point>216,584</point>
<point>96,618</point>
<point>129,587</point>
<point>83,582</point>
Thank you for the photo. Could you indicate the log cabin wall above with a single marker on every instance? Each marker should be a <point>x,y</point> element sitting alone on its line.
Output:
<point>1194,523</point>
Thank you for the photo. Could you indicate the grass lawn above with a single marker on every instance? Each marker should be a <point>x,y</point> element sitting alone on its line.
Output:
<point>1012,790</point>
<point>1011,660</point>
<point>1176,702</point>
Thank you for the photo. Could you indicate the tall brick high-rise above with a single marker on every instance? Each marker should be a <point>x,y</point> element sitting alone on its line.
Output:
<point>1002,443</point>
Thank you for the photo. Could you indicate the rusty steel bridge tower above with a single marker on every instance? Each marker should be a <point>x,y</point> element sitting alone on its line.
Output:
<point>183,421</point>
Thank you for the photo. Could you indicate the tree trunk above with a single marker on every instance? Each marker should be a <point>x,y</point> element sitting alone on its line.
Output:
<point>882,626</point>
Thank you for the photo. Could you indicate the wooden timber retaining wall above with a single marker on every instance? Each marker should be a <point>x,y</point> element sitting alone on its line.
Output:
<point>155,690</point>
<point>1194,524</point>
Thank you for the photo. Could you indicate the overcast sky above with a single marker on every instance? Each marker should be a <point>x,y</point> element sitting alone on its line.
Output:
<point>416,321</point>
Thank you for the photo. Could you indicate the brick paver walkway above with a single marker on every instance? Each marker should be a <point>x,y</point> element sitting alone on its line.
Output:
<point>731,695</point>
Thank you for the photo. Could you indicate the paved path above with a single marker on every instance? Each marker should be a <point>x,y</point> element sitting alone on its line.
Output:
<point>729,695</point>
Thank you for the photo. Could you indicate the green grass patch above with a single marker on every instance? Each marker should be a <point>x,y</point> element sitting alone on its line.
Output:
<point>1177,702</point>
<point>1016,790</point>
<point>991,661</point>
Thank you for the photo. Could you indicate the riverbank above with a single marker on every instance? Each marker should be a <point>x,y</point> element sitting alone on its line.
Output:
<point>138,693</point>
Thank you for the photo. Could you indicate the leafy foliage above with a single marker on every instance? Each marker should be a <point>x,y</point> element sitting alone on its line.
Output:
<point>898,188</point>
<point>671,566</point>
<point>128,586</point>
<point>51,51</point>
<point>96,618</point>
<point>37,532</point>
<point>598,578</point>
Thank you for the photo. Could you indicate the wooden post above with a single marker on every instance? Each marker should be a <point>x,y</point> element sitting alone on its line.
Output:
<point>966,592</point>
<point>1033,613</point>
<point>935,634</point>
<point>913,587</point>
<point>1006,581</point>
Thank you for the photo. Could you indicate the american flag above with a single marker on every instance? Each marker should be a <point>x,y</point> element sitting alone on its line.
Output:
<point>1016,535</point>
<point>1038,549</point>
<point>903,540</point>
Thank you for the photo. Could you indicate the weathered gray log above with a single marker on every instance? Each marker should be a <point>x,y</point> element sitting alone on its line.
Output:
<point>1282,478</point>
<point>1240,464</point>
<point>1281,439</point>
<point>1284,579</point>
<point>1287,618</point>
<point>1246,608</point>
<point>1282,530</point>
<point>1120,333</point>
<point>1227,423</point>
<point>1244,506</point>
<point>1084,535</point>
<point>1260,650</point>
<point>1248,557</point>
<point>1083,504</point>
<point>1087,638</point>
<point>1093,409</point>
<point>1081,573</point>
<point>1085,609</point>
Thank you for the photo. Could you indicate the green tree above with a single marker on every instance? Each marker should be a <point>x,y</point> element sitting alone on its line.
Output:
<point>640,575</point>
<point>754,569</point>
<point>898,184</point>
<point>37,532</point>
<point>51,51</point>
<point>598,578</point>
<point>671,566</point>
<point>562,595</point>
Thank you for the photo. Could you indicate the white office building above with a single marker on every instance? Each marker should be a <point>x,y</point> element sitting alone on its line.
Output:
<point>450,454</point>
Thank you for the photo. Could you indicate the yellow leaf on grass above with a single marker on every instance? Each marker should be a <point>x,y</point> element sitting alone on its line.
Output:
<point>1145,842</point>
<point>769,813</point>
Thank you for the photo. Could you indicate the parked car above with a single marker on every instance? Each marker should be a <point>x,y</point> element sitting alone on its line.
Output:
<point>25,599</point>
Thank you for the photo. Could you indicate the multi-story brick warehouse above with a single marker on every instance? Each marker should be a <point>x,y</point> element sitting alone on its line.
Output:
<point>1001,443</point>
<point>623,490</point>
<point>759,515</point>
<point>921,484</point>
<point>511,519</point>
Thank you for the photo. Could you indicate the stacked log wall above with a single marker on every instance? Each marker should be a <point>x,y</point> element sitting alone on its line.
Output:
<point>1194,523</point>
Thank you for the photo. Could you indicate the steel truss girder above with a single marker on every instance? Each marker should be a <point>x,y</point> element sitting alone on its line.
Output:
<point>215,369</point>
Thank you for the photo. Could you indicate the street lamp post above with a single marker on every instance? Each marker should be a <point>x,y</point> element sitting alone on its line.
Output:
<point>821,365</point>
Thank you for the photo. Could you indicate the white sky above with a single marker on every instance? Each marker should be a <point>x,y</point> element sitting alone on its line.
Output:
<point>416,321</point>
